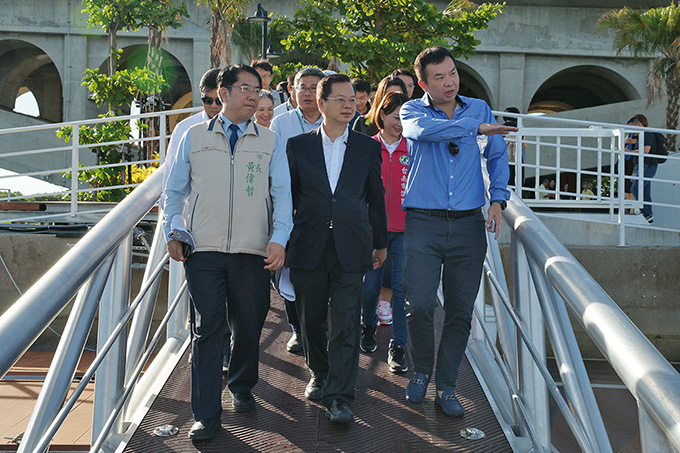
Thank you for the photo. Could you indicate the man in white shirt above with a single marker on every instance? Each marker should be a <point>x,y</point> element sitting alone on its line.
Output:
<point>211,107</point>
<point>291,103</point>
<point>304,118</point>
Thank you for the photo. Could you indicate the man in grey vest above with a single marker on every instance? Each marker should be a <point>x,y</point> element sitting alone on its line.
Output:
<point>232,178</point>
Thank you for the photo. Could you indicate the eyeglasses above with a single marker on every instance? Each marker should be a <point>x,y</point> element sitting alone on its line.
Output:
<point>246,89</point>
<point>207,100</point>
<point>303,88</point>
<point>342,101</point>
<point>453,148</point>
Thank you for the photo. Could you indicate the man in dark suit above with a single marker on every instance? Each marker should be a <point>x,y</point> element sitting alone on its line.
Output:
<point>340,232</point>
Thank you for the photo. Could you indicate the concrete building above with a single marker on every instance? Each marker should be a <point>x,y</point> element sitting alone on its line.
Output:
<point>538,55</point>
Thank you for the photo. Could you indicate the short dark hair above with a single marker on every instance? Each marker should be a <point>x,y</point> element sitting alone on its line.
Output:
<point>325,86</point>
<point>361,85</point>
<point>262,64</point>
<point>209,80</point>
<point>404,72</point>
<point>389,104</point>
<point>511,119</point>
<point>639,118</point>
<point>229,75</point>
<point>291,78</point>
<point>431,55</point>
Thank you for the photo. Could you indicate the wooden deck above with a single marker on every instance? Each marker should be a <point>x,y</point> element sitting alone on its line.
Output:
<point>19,390</point>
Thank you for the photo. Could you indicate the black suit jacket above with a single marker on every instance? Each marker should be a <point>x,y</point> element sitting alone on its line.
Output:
<point>357,208</point>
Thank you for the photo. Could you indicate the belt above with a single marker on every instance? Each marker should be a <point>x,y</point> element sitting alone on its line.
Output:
<point>448,215</point>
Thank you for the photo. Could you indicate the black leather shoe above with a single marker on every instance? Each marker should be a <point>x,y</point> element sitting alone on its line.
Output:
<point>243,402</point>
<point>339,412</point>
<point>294,345</point>
<point>204,429</point>
<point>315,388</point>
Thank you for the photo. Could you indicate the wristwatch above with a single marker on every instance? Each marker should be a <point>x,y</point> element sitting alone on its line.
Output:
<point>503,203</point>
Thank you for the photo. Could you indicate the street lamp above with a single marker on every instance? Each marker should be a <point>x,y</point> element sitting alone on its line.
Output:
<point>262,17</point>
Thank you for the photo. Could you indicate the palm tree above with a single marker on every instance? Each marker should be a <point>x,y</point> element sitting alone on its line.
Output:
<point>224,14</point>
<point>654,32</point>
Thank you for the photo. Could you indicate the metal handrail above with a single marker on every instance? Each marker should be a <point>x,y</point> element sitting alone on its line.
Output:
<point>31,314</point>
<point>644,371</point>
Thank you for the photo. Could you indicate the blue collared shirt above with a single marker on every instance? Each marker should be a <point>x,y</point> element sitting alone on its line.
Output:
<point>438,180</point>
<point>178,186</point>
<point>292,123</point>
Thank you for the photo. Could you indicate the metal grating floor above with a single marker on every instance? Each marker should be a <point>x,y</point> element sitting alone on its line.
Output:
<point>284,421</point>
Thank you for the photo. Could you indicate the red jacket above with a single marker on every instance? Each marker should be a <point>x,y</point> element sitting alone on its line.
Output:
<point>394,175</point>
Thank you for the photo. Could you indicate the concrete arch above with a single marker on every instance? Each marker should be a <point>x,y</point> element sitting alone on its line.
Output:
<point>580,87</point>
<point>134,56</point>
<point>472,84</point>
<point>25,66</point>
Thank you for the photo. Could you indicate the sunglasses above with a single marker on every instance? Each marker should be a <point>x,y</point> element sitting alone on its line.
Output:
<point>207,100</point>
<point>453,148</point>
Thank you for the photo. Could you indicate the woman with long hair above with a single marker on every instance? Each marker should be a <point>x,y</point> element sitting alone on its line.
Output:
<point>394,173</point>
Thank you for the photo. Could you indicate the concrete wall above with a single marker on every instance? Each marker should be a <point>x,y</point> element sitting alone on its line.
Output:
<point>643,281</point>
<point>29,256</point>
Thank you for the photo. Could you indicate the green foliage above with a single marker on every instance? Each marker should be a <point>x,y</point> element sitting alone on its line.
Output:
<point>378,36</point>
<point>131,15</point>
<point>281,71</point>
<point>123,87</point>
<point>656,33</point>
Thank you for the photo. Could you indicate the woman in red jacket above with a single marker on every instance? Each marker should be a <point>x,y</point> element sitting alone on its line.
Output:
<point>394,175</point>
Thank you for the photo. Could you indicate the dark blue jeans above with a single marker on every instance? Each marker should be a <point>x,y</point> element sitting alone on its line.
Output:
<point>371,292</point>
<point>460,245</point>
<point>650,172</point>
<point>241,281</point>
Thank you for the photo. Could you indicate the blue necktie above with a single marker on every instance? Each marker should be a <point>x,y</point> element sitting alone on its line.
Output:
<point>233,137</point>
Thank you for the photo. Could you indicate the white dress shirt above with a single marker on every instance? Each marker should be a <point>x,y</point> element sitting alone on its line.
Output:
<point>334,155</point>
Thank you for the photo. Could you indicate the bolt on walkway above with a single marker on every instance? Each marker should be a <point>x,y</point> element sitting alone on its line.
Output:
<point>285,421</point>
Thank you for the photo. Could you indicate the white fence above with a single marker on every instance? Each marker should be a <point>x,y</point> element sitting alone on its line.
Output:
<point>568,152</point>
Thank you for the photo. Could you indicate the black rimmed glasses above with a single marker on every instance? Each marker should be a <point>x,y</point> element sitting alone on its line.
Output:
<point>453,148</point>
<point>207,100</point>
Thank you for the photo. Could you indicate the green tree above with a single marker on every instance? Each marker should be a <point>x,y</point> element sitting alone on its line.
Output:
<point>377,36</point>
<point>224,14</point>
<point>656,33</point>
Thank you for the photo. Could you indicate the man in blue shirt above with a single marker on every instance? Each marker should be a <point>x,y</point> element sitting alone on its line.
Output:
<point>444,222</point>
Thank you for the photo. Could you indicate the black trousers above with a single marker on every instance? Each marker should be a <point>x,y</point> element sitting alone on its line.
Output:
<point>242,281</point>
<point>333,354</point>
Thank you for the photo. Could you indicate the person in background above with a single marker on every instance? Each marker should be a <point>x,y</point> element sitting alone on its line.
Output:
<point>408,78</point>
<point>265,109</point>
<point>363,89</point>
<point>304,118</point>
<point>649,166</point>
<point>291,103</point>
<point>544,190</point>
<point>445,224</point>
<point>389,84</point>
<point>394,173</point>
<point>211,107</point>
<point>511,142</point>
<point>586,192</point>
<point>266,71</point>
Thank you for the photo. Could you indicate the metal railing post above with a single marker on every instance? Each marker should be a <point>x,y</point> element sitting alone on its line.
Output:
<point>139,329</point>
<point>622,188</point>
<point>570,362</point>
<point>66,357</point>
<point>75,142</point>
<point>652,439</point>
<point>532,388</point>
<point>111,373</point>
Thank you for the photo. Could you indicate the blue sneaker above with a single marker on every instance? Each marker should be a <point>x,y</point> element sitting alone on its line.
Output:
<point>450,404</point>
<point>417,387</point>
